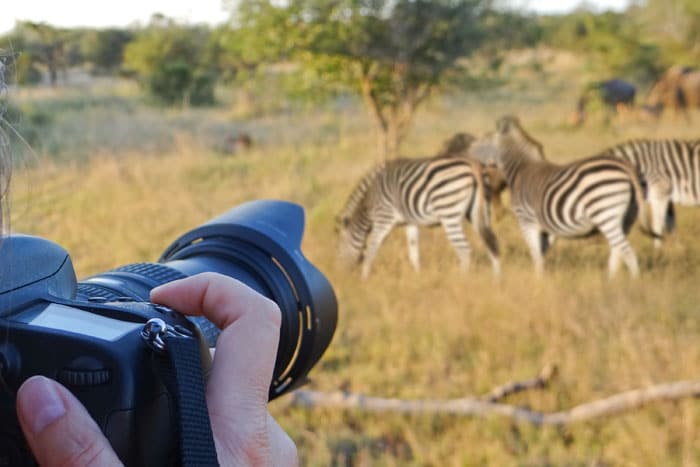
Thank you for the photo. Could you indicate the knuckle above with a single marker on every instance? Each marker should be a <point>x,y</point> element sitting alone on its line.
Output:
<point>271,312</point>
<point>91,453</point>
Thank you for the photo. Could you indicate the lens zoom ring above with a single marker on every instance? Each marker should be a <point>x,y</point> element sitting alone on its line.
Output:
<point>88,290</point>
<point>153,271</point>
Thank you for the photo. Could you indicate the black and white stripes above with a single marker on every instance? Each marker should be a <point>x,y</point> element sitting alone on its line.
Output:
<point>598,194</point>
<point>414,192</point>
<point>671,169</point>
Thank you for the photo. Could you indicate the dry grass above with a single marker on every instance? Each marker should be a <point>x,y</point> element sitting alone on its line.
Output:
<point>438,334</point>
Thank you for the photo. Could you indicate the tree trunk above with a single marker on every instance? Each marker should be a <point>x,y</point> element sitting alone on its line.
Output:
<point>393,120</point>
<point>370,98</point>
<point>392,139</point>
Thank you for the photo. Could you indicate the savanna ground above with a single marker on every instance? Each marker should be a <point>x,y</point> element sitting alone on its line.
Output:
<point>116,182</point>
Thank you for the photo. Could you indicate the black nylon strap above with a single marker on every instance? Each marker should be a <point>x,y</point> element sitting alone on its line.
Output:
<point>181,371</point>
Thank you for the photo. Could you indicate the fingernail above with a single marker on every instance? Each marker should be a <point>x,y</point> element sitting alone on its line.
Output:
<point>40,403</point>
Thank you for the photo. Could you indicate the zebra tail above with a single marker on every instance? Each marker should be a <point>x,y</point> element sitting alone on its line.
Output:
<point>480,211</point>
<point>639,182</point>
<point>670,218</point>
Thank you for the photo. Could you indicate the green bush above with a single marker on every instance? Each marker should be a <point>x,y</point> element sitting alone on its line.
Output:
<point>26,71</point>
<point>170,62</point>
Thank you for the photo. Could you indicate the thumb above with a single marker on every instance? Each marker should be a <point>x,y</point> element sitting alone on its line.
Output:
<point>58,428</point>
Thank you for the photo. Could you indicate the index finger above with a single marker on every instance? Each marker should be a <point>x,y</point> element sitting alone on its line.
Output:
<point>247,346</point>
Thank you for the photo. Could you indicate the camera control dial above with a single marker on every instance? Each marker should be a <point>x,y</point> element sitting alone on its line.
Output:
<point>84,371</point>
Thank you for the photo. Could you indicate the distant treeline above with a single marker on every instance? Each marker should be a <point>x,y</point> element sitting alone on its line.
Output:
<point>393,53</point>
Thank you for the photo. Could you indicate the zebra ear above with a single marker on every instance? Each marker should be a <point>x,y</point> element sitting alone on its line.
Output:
<point>501,126</point>
<point>341,221</point>
<point>504,123</point>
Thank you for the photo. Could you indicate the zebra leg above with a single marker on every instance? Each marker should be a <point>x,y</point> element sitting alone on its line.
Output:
<point>659,199</point>
<point>374,240</point>
<point>629,257</point>
<point>658,218</point>
<point>492,247</point>
<point>455,234</point>
<point>620,248</point>
<point>533,237</point>
<point>550,241</point>
<point>492,250</point>
<point>413,247</point>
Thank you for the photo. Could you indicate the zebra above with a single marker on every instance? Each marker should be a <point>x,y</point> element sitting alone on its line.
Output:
<point>414,192</point>
<point>599,194</point>
<point>462,145</point>
<point>671,169</point>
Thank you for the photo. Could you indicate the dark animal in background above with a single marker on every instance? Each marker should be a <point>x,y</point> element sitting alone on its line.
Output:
<point>677,89</point>
<point>616,95</point>
<point>234,144</point>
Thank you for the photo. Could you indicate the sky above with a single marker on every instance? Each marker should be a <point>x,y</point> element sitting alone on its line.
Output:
<point>122,13</point>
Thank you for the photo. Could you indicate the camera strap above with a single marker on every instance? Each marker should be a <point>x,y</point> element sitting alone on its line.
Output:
<point>180,366</point>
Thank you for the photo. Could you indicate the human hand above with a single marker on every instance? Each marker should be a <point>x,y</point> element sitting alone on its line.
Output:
<point>61,432</point>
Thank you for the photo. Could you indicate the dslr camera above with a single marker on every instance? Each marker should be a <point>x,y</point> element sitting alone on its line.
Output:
<point>100,336</point>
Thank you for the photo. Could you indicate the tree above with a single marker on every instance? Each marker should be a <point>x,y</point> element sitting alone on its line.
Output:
<point>394,53</point>
<point>20,63</point>
<point>613,44</point>
<point>168,60</point>
<point>46,45</point>
<point>674,24</point>
<point>104,48</point>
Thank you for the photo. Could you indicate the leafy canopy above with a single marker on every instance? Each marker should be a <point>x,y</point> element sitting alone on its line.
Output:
<point>169,61</point>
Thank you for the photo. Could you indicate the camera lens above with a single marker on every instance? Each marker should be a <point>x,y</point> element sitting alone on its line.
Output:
<point>259,244</point>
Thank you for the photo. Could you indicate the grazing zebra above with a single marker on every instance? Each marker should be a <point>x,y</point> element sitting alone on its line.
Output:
<point>597,194</point>
<point>671,169</point>
<point>415,192</point>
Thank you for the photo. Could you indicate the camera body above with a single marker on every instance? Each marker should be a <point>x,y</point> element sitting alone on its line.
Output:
<point>87,335</point>
<point>93,347</point>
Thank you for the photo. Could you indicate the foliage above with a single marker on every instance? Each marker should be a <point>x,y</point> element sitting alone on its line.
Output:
<point>46,46</point>
<point>612,43</point>
<point>104,48</point>
<point>168,60</point>
<point>393,53</point>
<point>673,25</point>
<point>25,69</point>
<point>246,58</point>
<point>259,33</point>
<point>22,68</point>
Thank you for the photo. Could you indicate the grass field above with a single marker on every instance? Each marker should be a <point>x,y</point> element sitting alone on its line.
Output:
<point>438,334</point>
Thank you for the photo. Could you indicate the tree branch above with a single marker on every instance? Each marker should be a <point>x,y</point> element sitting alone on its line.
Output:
<point>540,382</point>
<point>370,97</point>
<point>487,406</point>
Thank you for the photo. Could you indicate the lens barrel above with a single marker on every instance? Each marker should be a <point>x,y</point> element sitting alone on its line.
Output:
<point>259,244</point>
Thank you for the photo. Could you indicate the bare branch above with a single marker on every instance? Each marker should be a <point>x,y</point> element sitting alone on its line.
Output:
<point>613,405</point>
<point>540,382</point>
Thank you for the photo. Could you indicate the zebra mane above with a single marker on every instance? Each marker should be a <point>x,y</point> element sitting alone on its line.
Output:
<point>359,193</point>
<point>457,145</point>
<point>509,126</point>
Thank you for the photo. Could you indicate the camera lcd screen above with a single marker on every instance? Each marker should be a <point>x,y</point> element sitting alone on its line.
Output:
<point>74,320</point>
